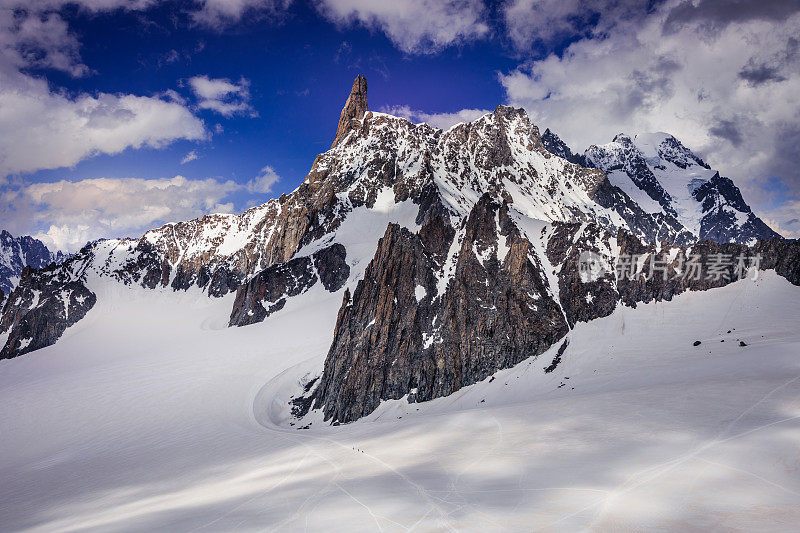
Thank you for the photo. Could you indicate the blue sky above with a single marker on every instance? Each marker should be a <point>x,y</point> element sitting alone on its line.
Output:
<point>299,69</point>
<point>104,102</point>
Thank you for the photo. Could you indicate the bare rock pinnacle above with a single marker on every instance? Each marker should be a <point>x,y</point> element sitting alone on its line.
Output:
<point>354,108</point>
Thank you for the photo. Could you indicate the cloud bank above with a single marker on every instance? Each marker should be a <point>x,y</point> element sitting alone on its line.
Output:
<point>67,214</point>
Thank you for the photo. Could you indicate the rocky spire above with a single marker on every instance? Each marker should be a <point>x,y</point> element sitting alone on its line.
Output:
<point>354,108</point>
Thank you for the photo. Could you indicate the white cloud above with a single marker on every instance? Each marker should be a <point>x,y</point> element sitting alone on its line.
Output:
<point>67,214</point>
<point>52,130</point>
<point>785,227</point>
<point>437,120</point>
<point>727,86</point>
<point>218,14</point>
<point>545,22</point>
<point>262,184</point>
<point>414,26</point>
<point>39,40</point>
<point>33,34</point>
<point>68,239</point>
<point>191,156</point>
<point>70,213</point>
<point>222,95</point>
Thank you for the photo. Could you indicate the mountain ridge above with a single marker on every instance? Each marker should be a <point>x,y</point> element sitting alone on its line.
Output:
<point>478,229</point>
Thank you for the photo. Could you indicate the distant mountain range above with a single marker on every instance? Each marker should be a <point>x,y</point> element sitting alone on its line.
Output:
<point>18,252</point>
<point>456,253</point>
<point>665,179</point>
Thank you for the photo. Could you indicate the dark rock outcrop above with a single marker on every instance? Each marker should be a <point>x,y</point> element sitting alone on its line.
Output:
<point>268,290</point>
<point>18,252</point>
<point>398,336</point>
<point>41,308</point>
<point>722,203</point>
<point>354,109</point>
<point>659,275</point>
<point>781,255</point>
<point>556,146</point>
<point>582,299</point>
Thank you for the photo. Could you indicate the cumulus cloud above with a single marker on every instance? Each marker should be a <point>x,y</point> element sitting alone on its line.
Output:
<point>53,130</point>
<point>731,94</point>
<point>262,184</point>
<point>414,26</point>
<point>437,120</point>
<point>39,40</point>
<point>67,214</point>
<point>222,96</point>
<point>545,22</point>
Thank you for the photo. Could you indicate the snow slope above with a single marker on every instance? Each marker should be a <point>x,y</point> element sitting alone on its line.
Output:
<point>150,413</point>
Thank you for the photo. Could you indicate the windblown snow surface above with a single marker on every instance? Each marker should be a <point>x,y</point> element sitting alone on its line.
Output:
<point>151,414</point>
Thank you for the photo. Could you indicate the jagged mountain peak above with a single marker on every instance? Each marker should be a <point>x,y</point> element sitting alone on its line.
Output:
<point>500,152</point>
<point>354,108</point>
<point>556,146</point>
<point>654,147</point>
<point>663,176</point>
<point>622,138</point>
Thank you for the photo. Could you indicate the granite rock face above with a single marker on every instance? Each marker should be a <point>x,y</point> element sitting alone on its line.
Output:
<point>402,335</point>
<point>41,308</point>
<point>399,335</point>
<point>354,109</point>
<point>268,290</point>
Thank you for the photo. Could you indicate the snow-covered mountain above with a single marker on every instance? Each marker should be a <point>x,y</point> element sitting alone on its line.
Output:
<point>487,212</point>
<point>665,179</point>
<point>663,176</point>
<point>454,301</point>
<point>379,164</point>
<point>18,252</point>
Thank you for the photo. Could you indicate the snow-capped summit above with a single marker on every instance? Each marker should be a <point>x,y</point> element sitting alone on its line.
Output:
<point>663,176</point>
